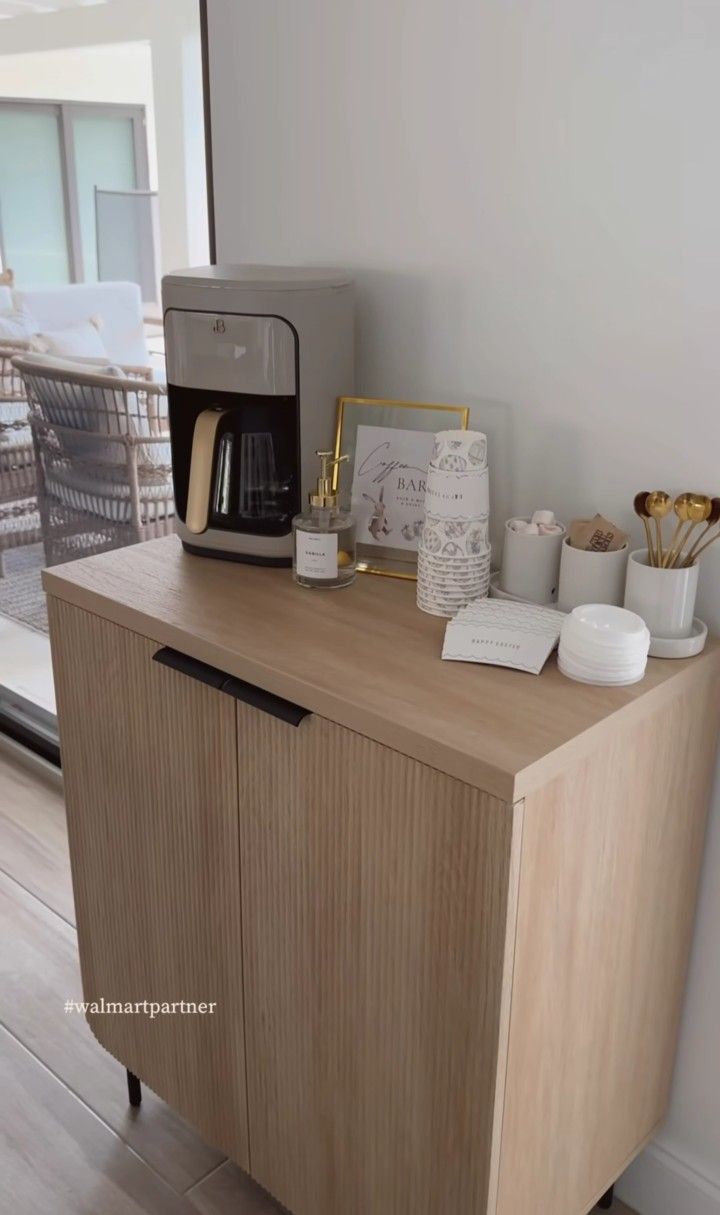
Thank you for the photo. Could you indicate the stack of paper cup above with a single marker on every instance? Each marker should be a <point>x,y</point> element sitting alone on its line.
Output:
<point>454,550</point>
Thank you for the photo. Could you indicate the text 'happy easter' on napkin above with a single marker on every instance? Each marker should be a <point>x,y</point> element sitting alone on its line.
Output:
<point>518,635</point>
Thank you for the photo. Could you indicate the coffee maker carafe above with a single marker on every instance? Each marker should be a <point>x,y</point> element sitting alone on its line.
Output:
<point>256,358</point>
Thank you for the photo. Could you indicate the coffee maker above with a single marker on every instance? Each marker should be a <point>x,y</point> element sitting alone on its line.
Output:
<point>256,359</point>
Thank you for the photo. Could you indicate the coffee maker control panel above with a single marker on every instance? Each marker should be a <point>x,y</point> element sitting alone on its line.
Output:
<point>222,351</point>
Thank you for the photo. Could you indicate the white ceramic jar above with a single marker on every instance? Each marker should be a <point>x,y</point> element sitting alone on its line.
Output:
<point>587,576</point>
<point>664,598</point>
<point>530,564</point>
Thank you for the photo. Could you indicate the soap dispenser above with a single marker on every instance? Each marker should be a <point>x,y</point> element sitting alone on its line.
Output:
<point>324,536</point>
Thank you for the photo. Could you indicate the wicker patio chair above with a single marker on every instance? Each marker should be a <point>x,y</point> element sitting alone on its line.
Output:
<point>103,457</point>
<point>19,517</point>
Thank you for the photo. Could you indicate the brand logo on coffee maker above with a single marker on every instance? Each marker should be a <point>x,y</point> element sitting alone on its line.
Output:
<point>218,325</point>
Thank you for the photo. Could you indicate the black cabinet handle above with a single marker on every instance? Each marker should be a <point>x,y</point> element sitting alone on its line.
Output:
<point>267,702</point>
<point>190,667</point>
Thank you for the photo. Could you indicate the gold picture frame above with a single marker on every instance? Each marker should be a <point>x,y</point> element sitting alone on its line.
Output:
<point>352,412</point>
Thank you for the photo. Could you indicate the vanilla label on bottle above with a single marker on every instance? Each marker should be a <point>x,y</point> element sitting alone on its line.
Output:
<point>316,554</point>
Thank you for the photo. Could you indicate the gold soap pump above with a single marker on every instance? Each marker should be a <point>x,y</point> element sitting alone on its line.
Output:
<point>324,536</point>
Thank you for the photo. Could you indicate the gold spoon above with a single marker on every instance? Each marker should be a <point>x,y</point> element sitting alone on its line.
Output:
<point>699,510</point>
<point>713,517</point>
<point>701,550</point>
<point>640,508</point>
<point>658,504</point>
<point>692,509</point>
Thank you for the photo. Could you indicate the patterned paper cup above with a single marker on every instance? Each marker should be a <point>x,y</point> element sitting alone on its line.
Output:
<point>454,602</point>
<point>450,601</point>
<point>444,560</point>
<point>437,609</point>
<point>459,450</point>
<point>459,497</point>
<point>458,575</point>
<point>454,589</point>
<point>454,537</point>
<point>441,607</point>
<point>432,545</point>
<point>438,569</point>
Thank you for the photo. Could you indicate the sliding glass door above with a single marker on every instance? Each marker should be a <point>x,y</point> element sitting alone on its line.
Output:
<point>105,159</point>
<point>54,155</point>
<point>33,206</point>
<point>56,160</point>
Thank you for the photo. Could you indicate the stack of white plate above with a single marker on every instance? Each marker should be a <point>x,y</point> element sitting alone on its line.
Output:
<point>454,550</point>
<point>604,645</point>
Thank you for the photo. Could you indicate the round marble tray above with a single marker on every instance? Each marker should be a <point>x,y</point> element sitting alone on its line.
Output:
<point>497,592</point>
<point>681,647</point>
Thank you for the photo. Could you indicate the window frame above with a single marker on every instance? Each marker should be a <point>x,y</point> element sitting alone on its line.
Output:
<point>65,112</point>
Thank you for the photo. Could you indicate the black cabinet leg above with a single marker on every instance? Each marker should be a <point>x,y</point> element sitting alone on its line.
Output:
<point>607,1199</point>
<point>134,1089</point>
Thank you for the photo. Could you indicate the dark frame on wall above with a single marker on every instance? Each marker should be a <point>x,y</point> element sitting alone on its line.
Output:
<point>207,113</point>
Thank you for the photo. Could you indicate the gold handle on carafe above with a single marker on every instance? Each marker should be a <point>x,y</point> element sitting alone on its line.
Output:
<point>202,467</point>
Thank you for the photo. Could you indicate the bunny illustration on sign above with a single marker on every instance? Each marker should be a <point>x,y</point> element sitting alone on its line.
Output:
<point>378,526</point>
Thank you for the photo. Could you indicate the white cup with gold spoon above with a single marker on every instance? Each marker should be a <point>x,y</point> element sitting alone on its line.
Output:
<point>665,598</point>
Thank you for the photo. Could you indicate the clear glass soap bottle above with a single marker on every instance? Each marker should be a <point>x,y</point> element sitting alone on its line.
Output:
<point>324,536</point>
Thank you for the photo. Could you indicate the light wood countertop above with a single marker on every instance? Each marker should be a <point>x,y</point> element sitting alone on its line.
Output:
<point>367,658</point>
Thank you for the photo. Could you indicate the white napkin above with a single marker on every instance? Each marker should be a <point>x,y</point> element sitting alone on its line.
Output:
<point>494,631</point>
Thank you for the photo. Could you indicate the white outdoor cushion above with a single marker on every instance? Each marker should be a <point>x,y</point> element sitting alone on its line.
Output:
<point>119,305</point>
<point>16,438</point>
<point>26,520</point>
<point>82,340</point>
<point>20,324</point>
<point>11,434</point>
<point>99,409</point>
<point>99,366</point>
<point>14,435</point>
<point>110,499</point>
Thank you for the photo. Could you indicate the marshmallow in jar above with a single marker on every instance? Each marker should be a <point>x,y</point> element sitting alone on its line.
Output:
<point>531,557</point>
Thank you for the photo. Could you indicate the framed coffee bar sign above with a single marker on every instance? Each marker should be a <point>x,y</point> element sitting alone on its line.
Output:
<point>389,444</point>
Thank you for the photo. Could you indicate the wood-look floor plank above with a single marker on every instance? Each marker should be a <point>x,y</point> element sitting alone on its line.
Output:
<point>38,972</point>
<point>229,1191</point>
<point>59,1159</point>
<point>33,833</point>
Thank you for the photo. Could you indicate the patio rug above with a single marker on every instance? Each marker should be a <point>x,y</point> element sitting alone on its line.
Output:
<point>21,594</point>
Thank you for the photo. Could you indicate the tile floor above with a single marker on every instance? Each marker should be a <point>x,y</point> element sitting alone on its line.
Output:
<point>69,1142</point>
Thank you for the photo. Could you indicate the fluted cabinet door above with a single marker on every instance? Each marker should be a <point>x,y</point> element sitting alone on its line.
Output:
<point>150,770</point>
<point>378,897</point>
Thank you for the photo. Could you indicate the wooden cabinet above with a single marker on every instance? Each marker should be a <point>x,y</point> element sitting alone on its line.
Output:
<point>375,898</point>
<point>444,912</point>
<point>150,774</point>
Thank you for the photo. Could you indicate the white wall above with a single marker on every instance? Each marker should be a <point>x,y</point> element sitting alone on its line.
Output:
<point>145,51</point>
<point>528,193</point>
